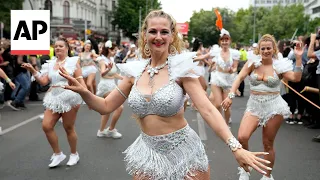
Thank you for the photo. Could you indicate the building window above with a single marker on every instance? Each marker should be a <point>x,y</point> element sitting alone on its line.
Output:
<point>306,1</point>
<point>113,27</point>
<point>100,21</point>
<point>268,1</point>
<point>275,1</point>
<point>113,5</point>
<point>48,6</point>
<point>66,12</point>
<point>316,10</point>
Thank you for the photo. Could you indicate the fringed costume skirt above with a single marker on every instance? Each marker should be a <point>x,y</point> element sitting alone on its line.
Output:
<point>175,156</point>
<point>61,100</point>
<point>87,70</point>
<point>223,80</point>
<point>266,107</point>
<point>105,86</point>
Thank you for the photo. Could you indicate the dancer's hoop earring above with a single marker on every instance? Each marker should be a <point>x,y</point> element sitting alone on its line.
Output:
<point>147,50</point>
<point>173,50</point>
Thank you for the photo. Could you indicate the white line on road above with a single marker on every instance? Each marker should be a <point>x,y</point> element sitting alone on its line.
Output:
<point>19,125</point>
<point>201,128</point>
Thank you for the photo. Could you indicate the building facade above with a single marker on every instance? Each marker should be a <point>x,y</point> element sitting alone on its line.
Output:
<point>68,17</point>
<point>312,7</point>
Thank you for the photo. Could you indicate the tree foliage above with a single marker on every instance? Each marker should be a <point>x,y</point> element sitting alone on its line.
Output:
<point>280,21</point>
<point>126,15</point>
<point>6,6</point>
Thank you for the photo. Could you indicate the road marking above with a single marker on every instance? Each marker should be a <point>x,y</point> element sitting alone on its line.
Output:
<point>201,128</point>
<point>20,124</point>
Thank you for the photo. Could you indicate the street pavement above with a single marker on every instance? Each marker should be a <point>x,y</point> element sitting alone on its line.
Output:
<point>25,152</point>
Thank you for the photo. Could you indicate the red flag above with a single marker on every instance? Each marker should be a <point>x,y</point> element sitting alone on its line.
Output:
<point>219,19</point>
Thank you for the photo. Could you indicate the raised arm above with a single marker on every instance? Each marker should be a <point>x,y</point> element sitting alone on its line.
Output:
<point>215,120</point>
<point>295,75</point>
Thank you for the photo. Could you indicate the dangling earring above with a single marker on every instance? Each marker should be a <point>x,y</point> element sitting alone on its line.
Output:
<point>173,50</point>
<point>147,50</point>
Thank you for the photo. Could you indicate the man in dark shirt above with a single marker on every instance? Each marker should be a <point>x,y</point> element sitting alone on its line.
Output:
<point>22,81</point>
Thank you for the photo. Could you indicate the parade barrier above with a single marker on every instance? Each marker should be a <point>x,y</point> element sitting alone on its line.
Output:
<point>300,94</point>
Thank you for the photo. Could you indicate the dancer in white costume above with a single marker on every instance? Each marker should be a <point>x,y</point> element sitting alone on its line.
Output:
<point>167,147</point>
<point>108,72</point>
<point>131,55</point>
<point>60,102</point>
<point>89,69</point>
<point>265,106</point>
<point>226,61</point>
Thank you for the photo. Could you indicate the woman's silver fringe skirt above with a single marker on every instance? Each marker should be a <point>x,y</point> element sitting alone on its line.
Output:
<point>267,106</point>
<point>61,100</point>
<point>175,156</point>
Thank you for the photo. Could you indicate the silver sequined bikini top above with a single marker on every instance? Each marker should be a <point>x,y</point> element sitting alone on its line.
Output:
<point>169,99</point>
<point>271,85</point>
<point>85,59</point>
<point>166,101</point>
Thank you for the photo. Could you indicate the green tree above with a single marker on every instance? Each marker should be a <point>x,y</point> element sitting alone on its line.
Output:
<point>6,6</point>
<point>126,15</point>
<point>312,25</point>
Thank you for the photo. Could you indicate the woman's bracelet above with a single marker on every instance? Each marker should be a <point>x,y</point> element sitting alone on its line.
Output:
<point>234,144</point>
<point>297,69</point>
<point>8,80</point>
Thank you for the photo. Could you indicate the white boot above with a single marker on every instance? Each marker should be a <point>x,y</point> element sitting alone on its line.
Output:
<point>243,174</point>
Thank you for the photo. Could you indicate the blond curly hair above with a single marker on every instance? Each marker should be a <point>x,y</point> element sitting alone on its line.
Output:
<point>177,41</point>
<point>270,38</point>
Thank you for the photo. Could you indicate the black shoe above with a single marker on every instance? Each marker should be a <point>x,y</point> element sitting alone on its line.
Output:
<point>289,121</point>
<point>316,138</point>
<point>298,121</point>
<point>21,105</point>
<point>35,99</point>
<point>13,106</point>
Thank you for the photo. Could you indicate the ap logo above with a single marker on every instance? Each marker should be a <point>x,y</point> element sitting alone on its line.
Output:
<point>30,32</point>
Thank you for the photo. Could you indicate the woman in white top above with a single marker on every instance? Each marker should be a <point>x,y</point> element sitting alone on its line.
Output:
<point>226,62</point>
<point>167,147</point>
<point>108,72</point>
<point>60,102</point>
<point>89,69</point>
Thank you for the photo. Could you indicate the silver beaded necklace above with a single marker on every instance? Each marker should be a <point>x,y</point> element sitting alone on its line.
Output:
<point>154,70</point>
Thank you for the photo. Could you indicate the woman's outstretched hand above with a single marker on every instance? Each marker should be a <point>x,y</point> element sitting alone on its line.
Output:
<point>74,85</point>
<point>248,159</point>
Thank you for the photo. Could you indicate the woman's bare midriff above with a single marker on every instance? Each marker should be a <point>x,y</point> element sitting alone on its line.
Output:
<point>264,93</point>
<point>154,125</point>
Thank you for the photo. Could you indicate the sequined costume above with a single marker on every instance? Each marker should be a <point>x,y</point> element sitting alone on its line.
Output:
<point>222,79</point>
<point>87,64</point>
<point>57,99</point>
<point>267,106</point>
<point>174,156</point>
<point>106,85</point>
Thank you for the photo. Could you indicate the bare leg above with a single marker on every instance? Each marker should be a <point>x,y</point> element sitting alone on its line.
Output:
<point>115,117</point>
<point>248,125</point>
<point>218,95</point>
<point>89,82</point>
<point>69,119</point>
<point>104,118</point>
<point>49,121</point>
<point>268,135</point>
